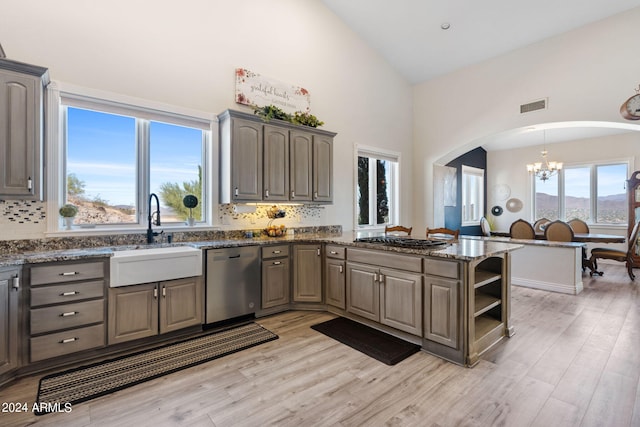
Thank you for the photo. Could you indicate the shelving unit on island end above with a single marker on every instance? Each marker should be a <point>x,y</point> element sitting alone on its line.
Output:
<point>488,296</point>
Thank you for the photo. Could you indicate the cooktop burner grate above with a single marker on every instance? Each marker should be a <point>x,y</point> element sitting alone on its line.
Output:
<point>402,242</point>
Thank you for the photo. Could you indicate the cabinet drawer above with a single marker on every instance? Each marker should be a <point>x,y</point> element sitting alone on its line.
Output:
<point>438,267</point>
<point>338,252</point>
<point>59,273</point>
<point>386,259</point>
<point>275,251</point>
<point>66,293</point>
<point>66,342</point>
<point>66,316</point>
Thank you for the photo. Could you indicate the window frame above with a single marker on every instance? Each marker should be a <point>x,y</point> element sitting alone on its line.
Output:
<point>144,112</point>
<point>374,154</point>
<point>478,172</point>
<point>593,190</point>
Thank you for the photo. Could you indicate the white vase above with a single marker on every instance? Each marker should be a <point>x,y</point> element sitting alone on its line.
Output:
<point>191,221</point>
<point>68,222</point>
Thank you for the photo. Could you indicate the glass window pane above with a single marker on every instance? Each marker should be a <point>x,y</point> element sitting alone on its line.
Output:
<point>547,198</point>
<point>175,169</point>
<point>363,191</point>
<point>472,194</point>
<point>101,166</point>
<point>611,203</point>
<point>577,193</point>
<point>382,206</point>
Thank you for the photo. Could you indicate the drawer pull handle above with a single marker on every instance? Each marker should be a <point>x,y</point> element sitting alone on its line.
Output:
<point>69,313</point>
<point>69,273</point>
<point>276,252</point>
<point>68,340</point>
<point>277,263</point>
<point>334,253</point>
<point>68,294</point>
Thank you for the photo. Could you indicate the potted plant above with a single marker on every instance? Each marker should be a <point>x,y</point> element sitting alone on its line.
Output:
<point>68,212</point>
<point>190,201</point>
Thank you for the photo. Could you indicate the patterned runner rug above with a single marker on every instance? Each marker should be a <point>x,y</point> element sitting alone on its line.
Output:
<point>88,382</point>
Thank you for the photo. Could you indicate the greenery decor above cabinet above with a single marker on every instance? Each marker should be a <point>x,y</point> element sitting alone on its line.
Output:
<point>275,161</point>
<point>21,129</point>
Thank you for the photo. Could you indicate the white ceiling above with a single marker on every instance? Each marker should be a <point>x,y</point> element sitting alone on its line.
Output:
<point>407,32</point>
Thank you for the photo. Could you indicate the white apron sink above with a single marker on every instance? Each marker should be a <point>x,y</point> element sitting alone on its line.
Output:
<point>136,266</point>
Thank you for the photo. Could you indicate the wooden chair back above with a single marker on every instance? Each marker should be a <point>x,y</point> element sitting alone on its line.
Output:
<point>442,230</point>
<point>537,226</point>
<point>632,239</point>
<point>521,229</point>
<point>578,225</point>
<point>558,231</point>
<point>398,228</point>
<point>617,255</point>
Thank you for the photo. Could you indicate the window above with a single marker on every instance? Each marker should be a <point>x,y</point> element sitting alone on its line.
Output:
<point>594,193</point>
<point>376,193</point>
<point>472,195</point>
<point>116,155</point>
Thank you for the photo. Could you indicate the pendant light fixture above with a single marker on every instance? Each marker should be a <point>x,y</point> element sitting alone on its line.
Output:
<point>544,169</point>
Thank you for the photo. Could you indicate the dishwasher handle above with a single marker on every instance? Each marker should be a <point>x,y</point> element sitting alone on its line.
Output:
<point>234,256</point>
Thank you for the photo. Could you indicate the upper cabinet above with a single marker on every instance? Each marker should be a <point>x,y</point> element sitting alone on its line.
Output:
<point>21,129</point>
<point>273,162</point>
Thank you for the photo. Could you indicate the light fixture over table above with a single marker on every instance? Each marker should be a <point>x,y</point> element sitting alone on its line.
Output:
<point>545,169</point>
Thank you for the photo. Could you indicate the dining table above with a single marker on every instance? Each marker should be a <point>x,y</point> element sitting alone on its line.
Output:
<point>580,238</point>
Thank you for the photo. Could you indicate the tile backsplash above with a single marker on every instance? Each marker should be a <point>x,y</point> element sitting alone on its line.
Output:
<point>255,216</point>
<point>22,218</point>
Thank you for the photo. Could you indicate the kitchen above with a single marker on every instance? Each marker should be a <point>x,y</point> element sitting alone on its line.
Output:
<point>342,92</point>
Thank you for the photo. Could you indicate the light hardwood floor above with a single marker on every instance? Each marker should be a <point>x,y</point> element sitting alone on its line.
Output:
<point>574,361</point>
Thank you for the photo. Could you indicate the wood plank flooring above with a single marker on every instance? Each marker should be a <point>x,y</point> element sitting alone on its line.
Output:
<point>574,361</point>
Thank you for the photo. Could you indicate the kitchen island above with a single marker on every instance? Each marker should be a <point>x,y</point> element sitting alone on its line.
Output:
<point>452,299</point>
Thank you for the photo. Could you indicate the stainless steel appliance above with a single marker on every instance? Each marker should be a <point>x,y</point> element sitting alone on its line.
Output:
<point>403,242</point>
<point>233,283</point>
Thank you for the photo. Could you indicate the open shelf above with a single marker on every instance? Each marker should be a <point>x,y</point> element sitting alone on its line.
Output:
<point>484,277</point>
<point>485,325</point>
<point>484,303</point>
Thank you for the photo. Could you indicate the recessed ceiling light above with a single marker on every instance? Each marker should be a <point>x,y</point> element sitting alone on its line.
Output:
<point>445,25</point>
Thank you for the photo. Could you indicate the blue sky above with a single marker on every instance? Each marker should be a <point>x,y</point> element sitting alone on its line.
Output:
<point>101,151</point>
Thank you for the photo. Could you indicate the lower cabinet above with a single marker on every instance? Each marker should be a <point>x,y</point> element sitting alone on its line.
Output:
<point>275,276</point>
<point>335,281</point>
<point>9,309</point>
<point>441,316</point>
<point>307,273</point>
<point>141,311</point>
<point>387,296</point>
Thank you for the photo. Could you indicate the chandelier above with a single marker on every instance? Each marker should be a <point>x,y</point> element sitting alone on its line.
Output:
<point>544,169</point>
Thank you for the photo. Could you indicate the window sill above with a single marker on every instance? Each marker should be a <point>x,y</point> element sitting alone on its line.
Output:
<point>106,230</point>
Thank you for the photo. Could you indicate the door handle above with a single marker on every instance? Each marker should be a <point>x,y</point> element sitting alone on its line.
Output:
<point>234,256</point>
<point>266,193</point>
<point>340,269</point>
<point>318,251</point>
<point>15,282</point>
<point>235,192</point>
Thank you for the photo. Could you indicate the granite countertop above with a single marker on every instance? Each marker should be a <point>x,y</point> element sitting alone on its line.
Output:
<point>466,248</point>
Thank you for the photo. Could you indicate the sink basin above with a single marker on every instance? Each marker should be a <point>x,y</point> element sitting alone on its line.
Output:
<point>136,266</point>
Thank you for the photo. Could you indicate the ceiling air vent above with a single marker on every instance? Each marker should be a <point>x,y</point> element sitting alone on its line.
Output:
<point>540,104</point>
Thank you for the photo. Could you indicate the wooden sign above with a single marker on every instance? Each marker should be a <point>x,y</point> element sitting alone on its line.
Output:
<point>256,90</point>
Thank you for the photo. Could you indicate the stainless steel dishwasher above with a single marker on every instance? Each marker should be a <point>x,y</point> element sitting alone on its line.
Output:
<point>233,283</point>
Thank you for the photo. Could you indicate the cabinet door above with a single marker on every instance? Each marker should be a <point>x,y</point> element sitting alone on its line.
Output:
<point>401,300</point>
<point>20,138</point>
<point>276,163</point>
<point>441,304</point>
<point>9,300</point>
<point>301,157</point>
<point>181,303</point>
<point>307,273</point>
<point>322,168</point>
<point>246,155</point>
<point>275,282</point>
<point>363,291</point>
<point>133,312</point>
<point>335,283</point>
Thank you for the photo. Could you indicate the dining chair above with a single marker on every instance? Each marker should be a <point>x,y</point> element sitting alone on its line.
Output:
<point>485,227</point>
<point>616,254</point>
<point>558,231</point>
<point>442,230</point>
<point>398,229</point>
<point>578,226</point>
<point>538,226</point>
<point>521,229</point>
